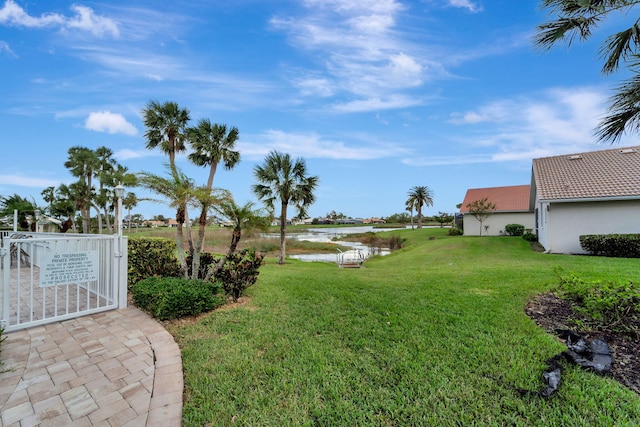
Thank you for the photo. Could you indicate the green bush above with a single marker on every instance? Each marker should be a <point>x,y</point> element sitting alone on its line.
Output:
<point>151,256</point>
<point>612,245</point>
<point>206,259</point>
<point>609,305</point>
<point>453,231</point>
<point>168,298</point>
<point>530,237</point>
<point>239,272</point>
<point>514,229</point>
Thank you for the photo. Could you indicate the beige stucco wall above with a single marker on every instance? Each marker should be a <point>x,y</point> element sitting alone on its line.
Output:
<point>563,223</point>
<point>496,223</point>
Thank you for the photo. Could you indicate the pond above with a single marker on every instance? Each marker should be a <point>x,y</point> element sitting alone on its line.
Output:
<point>326,235</point>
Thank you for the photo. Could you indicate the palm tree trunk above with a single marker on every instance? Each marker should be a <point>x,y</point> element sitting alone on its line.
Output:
<point>197,249</point>
<point>419,216</point>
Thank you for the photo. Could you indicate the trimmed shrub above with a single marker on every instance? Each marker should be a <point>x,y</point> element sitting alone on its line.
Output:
<point>529,237</point>
<point>612,245</point>
<point>609,306</point>
<point>168,298</point>
<point>239,272</point>
<point>151,256</point>
<point>514,229</point>
<point>454,231</point>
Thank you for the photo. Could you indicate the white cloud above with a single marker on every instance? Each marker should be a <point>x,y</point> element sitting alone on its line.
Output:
<point>126,154</point>
<point>466,4</point>
<point>84,19</point>
<point>365,54</point>
<point>553,122</point>
<point>12,14</point>
<point>4,47</point>
<point>312,145</point>
<point>27,181</point>
<point>106,121</point>
<point>377,104</point>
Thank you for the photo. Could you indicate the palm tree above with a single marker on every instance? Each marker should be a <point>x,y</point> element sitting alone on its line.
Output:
<point>204,198</point>
<point>243,218</point>
<point>576,19</point>
<point>211,145</point>
<point>420,196</point>
<point>409,205</point>
<point>129,202</point>
<point>284,180</point>
<point>82,163</point>
<point>166,124</point>
<point>177,191</point>
<point>24,207</point>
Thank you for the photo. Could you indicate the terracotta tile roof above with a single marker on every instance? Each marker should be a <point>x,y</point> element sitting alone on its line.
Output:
<point>513,198</point>
<point>595,174</point>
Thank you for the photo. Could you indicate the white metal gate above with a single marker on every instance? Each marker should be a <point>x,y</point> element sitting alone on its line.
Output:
<point>48,277</point>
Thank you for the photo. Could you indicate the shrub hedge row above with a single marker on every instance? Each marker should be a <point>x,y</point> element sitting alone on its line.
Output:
<point>612,245</point>
<point>172,297</point>
<point>151,256</point>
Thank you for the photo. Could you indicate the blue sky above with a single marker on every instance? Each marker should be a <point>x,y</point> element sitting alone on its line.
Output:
<point>377,95</point>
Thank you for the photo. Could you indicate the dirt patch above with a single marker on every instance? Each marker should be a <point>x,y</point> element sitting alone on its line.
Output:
<point>551,313</point>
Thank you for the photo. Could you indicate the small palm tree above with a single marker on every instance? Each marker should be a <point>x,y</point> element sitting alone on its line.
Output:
<point>420,196</point>
<point>242,218</point>
<point>177,191</point>
<point>282,179</point>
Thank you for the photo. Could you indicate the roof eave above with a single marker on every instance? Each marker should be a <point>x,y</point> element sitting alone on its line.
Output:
<point>591,199</point>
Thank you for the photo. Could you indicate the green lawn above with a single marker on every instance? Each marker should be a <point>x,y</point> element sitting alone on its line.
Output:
<point>432,335</point>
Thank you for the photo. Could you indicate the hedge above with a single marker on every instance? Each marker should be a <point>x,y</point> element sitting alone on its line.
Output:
<point>612,245</point>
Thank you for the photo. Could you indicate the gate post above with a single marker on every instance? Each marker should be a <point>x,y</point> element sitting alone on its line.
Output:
<point>5,260</point>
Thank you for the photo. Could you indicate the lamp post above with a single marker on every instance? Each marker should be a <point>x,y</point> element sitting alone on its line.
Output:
<point>119,190</point>
<point>37,215</point>
<point>120,259</point>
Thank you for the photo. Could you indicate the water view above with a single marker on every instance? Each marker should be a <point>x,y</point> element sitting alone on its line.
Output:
<point>327,235</point>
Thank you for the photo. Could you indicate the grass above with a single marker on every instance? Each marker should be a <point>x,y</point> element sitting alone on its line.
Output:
<point>217,240</point>
<point>431,335</point>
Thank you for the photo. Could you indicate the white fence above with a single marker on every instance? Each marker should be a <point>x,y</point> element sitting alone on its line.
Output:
<point>48,277</point>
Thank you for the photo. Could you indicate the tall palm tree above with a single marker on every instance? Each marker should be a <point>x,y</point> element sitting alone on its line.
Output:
<point>282,179</point>
<point>420,196</point>
<point>129,202</point>
<point>211,144</point>
<point>82,163</point>
<point>177,191</point>
<point>166,125</point>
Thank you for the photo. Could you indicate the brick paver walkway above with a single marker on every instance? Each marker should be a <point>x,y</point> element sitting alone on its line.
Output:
<point>116,368</point>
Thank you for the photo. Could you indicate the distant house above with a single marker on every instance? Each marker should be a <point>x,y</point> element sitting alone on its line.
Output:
<point>154,224</point>
<point>596,192</point>
<point>512,207</point>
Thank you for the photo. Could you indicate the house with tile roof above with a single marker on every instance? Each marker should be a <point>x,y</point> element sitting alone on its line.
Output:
<point>512,207</point>
<point>597,192</point>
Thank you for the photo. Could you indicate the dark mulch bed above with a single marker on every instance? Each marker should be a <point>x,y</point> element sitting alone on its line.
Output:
<point>550,313</point>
